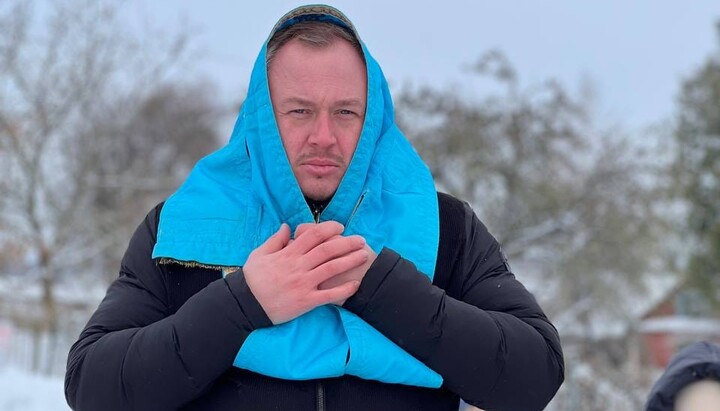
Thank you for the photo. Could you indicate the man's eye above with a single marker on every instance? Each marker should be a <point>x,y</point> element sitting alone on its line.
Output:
<point>300,111</point>
<point>346,112</point>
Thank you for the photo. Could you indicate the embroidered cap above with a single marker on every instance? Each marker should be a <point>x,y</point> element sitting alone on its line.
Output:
<point>314,12</point>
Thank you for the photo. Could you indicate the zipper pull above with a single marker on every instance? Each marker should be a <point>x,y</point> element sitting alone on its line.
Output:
<point>316,214</point>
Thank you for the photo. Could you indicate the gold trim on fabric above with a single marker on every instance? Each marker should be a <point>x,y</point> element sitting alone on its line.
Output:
<point>194,264</point>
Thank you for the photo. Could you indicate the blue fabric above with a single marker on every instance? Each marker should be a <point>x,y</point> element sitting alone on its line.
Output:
<point>235,198</point>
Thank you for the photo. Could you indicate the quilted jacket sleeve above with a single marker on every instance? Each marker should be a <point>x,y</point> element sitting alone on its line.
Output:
<point>475,324</point>
<point>133,354</point>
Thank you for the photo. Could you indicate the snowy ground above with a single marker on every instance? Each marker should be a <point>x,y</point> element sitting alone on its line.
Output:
<point>21,391</point>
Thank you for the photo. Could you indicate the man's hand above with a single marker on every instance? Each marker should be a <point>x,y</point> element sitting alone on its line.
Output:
<point>284,276</point>
<point>354,274</point>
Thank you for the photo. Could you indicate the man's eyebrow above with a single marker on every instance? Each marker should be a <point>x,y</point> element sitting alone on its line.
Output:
<point>350,102</point>
<point>297,100</point>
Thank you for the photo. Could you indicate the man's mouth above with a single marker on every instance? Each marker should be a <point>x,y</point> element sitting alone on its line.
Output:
<point>320,167</point>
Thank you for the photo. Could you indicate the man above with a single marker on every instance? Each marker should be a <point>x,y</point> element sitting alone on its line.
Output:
<point>310,264</point>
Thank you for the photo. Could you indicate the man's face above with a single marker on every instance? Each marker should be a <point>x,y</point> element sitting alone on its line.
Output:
<point>319,97</point>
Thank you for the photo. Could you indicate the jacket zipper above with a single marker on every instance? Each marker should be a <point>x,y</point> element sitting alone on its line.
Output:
<point>320,390</point>
<point>357,205</point>
<point>316,212</point>
<point>320,396</point>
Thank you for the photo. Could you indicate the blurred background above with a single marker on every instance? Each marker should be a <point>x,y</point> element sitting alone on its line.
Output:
<point>587,137</point>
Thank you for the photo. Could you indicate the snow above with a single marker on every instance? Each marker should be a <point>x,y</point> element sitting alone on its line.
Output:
<point>616,396</point>
<point>22,391</point>
<point>615,321</point>
<point>17,288</point>
<point>681,325</point>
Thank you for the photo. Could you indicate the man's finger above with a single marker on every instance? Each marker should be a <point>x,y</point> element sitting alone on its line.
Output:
<point>277,241</point>
<point>337,295</point>
<point>333,248</point>
<point>338,265</point>
<point>315,235</point>
<point>303,228</point>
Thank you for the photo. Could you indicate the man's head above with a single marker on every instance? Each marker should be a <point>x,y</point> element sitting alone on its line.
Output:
<point>699,396</point>
<point>318,87</point>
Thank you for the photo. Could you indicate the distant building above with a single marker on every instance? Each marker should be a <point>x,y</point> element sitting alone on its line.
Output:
<point>681,317</point>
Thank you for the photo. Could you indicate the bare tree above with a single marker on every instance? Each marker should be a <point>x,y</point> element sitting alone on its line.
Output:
<point>577,208</point>
<point>94,129</point>
<point>697,140</point>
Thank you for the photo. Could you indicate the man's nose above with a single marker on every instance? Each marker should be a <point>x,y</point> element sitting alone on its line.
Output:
<point>322,133</point>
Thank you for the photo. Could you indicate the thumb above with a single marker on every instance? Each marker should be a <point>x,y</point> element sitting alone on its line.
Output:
<point>277,241</point>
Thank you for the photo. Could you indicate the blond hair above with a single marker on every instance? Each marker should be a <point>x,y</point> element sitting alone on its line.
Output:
<point>317,34</point>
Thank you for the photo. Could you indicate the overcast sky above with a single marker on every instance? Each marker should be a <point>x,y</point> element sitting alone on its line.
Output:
<point>634,52</point>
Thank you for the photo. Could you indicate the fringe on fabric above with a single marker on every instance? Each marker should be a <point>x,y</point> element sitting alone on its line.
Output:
<point>194,264</point>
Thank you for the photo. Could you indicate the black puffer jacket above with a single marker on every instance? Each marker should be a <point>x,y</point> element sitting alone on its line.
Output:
<point>693,363</point>
<point>165,336</point>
